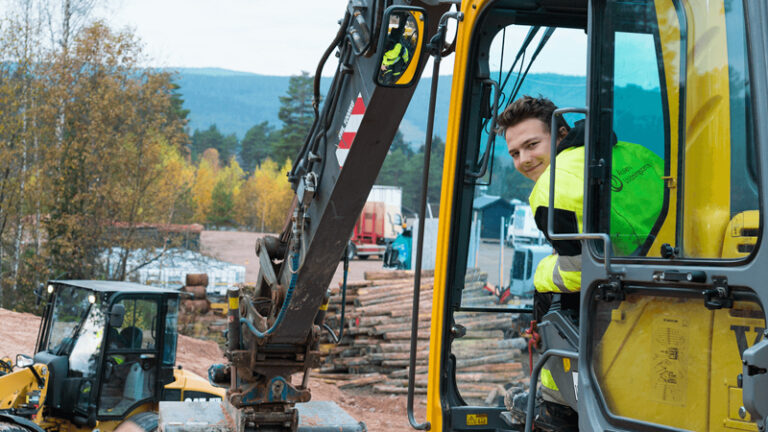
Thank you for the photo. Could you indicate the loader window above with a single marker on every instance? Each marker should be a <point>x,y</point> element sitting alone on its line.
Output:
<point>683,175</point>
<point>131,359</point>
<point>69,310</point>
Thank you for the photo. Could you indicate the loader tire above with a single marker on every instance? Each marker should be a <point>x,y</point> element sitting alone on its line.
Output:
<point>141,422</point>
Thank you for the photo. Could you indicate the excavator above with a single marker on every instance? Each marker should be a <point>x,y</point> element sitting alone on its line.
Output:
<point>668,337</point>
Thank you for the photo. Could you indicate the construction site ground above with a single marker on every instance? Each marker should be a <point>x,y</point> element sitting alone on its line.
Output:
<point>379,412</point>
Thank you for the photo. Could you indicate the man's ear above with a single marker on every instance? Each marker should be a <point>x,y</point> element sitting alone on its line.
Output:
<point>562,132</point>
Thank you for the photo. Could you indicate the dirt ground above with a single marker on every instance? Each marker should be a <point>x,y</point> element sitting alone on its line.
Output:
<point>380,412</point>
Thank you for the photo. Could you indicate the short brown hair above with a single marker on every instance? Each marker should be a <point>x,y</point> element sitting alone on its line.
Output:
<point>528,107</point>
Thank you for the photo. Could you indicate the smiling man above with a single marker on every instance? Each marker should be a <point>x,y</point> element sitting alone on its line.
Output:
<point>525,125</point>
<point>635,204</point>
<point>635,207</point>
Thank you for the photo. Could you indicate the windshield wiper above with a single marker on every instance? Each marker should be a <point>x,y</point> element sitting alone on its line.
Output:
<point>63,347</point>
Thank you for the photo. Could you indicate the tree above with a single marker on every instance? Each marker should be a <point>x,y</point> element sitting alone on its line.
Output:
<point>176,111</point>
<point>202,189</point>
<point>222,203</point>
<point>256,145</point>
<point>265,197</point>
<point>213,139</point>
<point>110,154</point>
<point>399,144</point>
<point>297,114</point>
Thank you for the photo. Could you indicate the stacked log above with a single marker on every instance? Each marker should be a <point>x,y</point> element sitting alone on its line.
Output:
<point>196,318</point>
<point>193,298</point>
<point>375,347</point>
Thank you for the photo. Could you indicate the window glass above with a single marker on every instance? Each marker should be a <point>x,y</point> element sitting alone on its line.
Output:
<point>504,244</point>
<point>131,361</point>
<point>138,331</point>
<point>638,144</point>
<point>683,181</point>
<point>171,332</point>
<point>69,310</point>
<point>684,374</point>
<point>84,359</point>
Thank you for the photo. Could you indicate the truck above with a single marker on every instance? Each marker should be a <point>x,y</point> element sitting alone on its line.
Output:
<point>530,247</point>
<point>105,357</point>
<point>523,229</point>
<point>667,337</point>
<point>379,223</point>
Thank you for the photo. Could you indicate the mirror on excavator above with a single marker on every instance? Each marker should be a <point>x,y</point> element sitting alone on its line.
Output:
<point>401,43</point>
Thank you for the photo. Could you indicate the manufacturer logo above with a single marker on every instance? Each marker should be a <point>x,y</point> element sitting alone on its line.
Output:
<point>616,184</point>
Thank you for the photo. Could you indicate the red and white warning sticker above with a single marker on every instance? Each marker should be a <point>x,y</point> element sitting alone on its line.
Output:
<point>348,130</point>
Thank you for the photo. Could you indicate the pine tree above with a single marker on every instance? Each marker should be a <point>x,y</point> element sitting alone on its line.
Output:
<point>297,115</point>
<point>256,145</point>
<point>212,138</point>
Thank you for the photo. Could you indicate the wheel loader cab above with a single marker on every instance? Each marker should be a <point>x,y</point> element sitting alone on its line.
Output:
<point>110,348</point>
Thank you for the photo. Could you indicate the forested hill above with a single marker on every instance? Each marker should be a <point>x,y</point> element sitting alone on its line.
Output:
<point>235,101</point>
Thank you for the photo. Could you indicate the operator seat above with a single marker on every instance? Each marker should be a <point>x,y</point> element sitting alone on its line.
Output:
<point>132,337</point>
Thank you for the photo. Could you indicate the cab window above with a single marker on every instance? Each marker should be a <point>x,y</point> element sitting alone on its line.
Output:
<point>679,140</point>
<point>129,374</point>
<point>498,242</point>
<point>687,88</point>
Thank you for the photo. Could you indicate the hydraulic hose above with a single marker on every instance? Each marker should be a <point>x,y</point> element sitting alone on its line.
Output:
<point>337,339</point>
<point>286,303</point>
<point>316,88</point>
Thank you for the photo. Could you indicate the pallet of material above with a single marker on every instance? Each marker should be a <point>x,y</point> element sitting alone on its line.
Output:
<point>375,347</point>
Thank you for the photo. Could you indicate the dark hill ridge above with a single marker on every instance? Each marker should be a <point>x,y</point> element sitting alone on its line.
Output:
<point>235,101</point>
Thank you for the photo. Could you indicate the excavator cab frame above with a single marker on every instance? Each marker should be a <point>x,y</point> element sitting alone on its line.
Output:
<point>662,330</point>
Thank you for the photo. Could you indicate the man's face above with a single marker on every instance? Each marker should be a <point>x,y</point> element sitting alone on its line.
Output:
<point>529,143</point>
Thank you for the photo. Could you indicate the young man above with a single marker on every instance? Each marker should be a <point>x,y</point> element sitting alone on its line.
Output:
<point>636,197</point>
<point>635,207</point>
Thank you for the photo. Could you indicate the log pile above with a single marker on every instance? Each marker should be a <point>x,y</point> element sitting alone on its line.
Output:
<point>374,349</point>
<point>196,318</point>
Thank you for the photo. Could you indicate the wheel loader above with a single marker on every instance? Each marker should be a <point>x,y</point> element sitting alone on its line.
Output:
<point>105,357</point>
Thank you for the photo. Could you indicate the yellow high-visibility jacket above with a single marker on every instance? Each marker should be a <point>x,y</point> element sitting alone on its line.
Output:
<point>636,200</point>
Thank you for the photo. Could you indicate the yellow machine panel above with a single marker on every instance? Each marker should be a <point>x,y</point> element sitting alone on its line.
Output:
<point>671,361</point>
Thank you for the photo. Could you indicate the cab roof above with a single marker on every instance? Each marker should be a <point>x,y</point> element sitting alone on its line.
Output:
<point>114,286</point>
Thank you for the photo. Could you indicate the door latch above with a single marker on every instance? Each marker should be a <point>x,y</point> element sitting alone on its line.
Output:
<point>719,296</point>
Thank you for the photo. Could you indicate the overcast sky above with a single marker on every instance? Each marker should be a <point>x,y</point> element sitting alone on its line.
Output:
<point>280,37</point>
